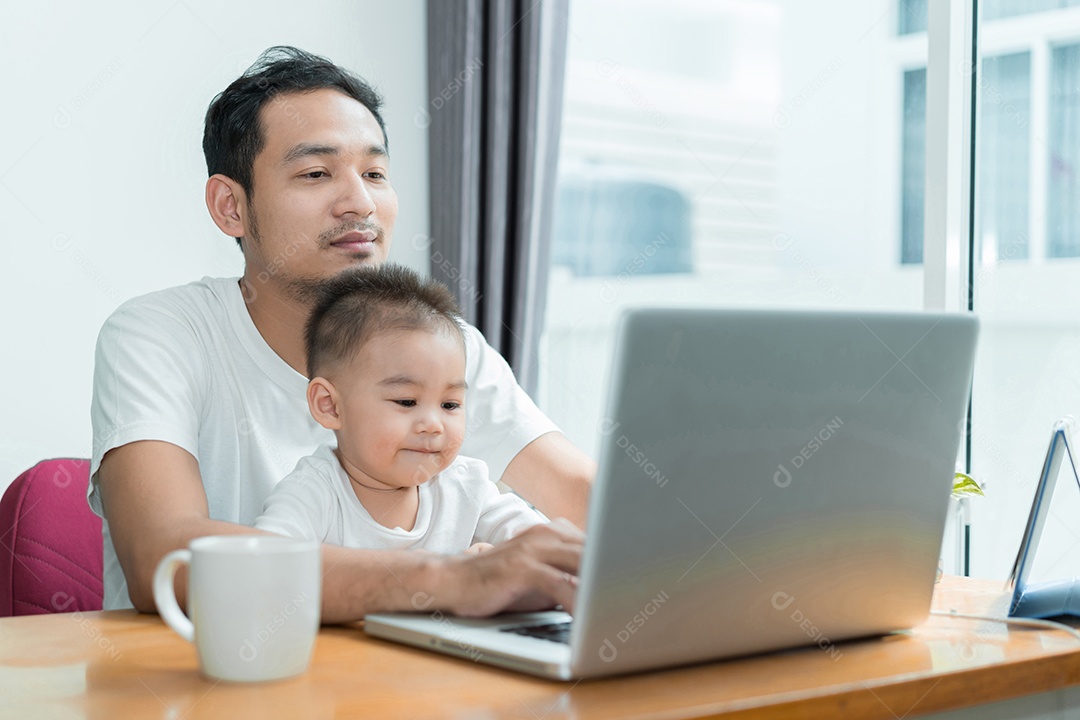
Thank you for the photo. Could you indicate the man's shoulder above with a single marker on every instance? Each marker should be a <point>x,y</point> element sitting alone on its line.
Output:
<point>185,313</point>
<point>201,296</point>
<point>472,334</point>
<point>480,356</point>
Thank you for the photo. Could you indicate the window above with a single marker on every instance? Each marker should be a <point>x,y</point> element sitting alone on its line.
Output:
<point>1064,193</point>
<point>748,155</point>
<point>914,166</point>
<point>778,148</point>
<point>1003,157</point>
<point>998,9</point>
<point>612,224</point>
<point>912,15</point>
<point>1027,151</point>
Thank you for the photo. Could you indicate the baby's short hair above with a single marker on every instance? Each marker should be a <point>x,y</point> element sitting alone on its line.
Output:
<point>352,307</point>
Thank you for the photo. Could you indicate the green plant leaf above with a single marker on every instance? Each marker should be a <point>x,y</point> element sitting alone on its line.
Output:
<point>965,486</point>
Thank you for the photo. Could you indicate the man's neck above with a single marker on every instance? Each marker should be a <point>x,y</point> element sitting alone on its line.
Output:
<point>279,318</point>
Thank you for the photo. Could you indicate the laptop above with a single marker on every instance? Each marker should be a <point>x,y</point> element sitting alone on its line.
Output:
<point>767,480</point>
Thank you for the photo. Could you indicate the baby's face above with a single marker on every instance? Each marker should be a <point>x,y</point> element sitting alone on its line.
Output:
<point>402,407</point>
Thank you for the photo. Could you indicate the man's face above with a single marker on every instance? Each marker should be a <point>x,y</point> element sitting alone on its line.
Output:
<point>322,199</point>
<point>401,405</point>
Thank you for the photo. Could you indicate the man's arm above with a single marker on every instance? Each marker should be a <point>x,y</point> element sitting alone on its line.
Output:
<point>154,501</point>
<point>534,571</point>
<point>548,470</point>
<point>554,475</point>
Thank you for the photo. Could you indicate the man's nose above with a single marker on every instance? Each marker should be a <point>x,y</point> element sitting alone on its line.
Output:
<point>355,198</point>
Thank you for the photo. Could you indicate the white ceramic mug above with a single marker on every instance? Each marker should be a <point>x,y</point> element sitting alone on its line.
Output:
<point>254,602</point>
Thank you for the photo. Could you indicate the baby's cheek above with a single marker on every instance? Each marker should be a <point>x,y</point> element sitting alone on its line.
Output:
<point>455,435</point>
<point>383,447</point>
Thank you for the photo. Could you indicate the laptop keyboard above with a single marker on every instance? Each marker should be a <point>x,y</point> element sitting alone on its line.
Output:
<point>555,632</point>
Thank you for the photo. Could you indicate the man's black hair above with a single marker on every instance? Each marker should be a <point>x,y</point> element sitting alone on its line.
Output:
<point>233,134</point>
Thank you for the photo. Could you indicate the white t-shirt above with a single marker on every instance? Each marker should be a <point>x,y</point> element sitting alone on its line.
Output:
<point>458,507</point>
<point>188,366</point>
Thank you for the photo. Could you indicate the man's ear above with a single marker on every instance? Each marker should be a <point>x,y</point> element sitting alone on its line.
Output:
<point>227,203</point>
<point>322,400</point>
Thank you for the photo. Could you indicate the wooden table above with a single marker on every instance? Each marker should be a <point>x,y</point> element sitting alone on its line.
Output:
<point>121,664</point>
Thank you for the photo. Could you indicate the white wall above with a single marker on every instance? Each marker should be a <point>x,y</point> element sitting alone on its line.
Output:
<point>101,170</point>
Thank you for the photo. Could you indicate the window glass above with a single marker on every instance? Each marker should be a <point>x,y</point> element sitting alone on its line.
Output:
<point>751,154</point>
<point>1025,273</point>
<point>997,9</point>
<point>914,166</point>
<point>1064,192</point>
<point>1003,157</point>
<point>912,15</point>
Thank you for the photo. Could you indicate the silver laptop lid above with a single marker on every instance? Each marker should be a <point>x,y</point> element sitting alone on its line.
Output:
<point>768,479</point>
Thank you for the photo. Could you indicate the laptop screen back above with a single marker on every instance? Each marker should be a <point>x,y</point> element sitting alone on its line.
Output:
<point>768,479</point>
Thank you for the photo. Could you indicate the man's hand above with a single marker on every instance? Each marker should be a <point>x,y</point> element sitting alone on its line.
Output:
<point>535,570</point>
<point>477,548</point>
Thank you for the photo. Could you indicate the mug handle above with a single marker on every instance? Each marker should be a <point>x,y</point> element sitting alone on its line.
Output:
<point>165,593</point>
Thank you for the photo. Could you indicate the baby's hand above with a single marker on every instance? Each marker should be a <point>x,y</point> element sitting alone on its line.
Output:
<point>478,548</point>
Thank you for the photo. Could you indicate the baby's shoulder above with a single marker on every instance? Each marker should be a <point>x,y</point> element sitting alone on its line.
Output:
<point>465,472</point>
<point>318,471</point>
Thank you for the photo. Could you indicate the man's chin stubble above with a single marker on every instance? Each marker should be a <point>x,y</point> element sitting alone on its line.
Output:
<point>303,290</point>
<point>306,290</point>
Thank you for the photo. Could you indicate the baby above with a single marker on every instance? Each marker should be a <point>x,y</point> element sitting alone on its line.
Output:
<point>386,358</point>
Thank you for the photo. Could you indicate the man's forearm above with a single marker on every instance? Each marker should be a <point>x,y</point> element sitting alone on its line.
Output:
<point>533,570</point>
<point>356,582</point>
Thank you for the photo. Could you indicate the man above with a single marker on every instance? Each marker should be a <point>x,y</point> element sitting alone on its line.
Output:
<point>199,391</point>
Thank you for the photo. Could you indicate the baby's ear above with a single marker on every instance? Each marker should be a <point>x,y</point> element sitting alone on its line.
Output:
<point>322,400</point>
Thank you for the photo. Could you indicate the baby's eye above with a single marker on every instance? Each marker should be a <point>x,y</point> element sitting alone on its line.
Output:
<point>406,403</point>
<point>450,405</point>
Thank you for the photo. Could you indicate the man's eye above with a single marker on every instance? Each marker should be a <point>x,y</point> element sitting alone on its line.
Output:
<point>450,405</point>
<point>376,175</point>
<point>406,403</point>
<point>315,174</point>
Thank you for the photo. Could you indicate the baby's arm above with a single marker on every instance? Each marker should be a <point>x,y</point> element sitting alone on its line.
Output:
<point>502,515</point>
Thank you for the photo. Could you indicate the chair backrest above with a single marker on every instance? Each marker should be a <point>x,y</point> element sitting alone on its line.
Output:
<point>50,542</point>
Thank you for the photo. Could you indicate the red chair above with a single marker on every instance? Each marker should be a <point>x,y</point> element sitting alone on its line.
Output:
<point>50,542</point>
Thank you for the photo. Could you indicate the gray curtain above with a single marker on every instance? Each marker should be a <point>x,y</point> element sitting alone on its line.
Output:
<point>495,82</point>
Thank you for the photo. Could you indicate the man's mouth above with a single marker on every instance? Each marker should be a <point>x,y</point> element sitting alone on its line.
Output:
<point>356,240</point>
